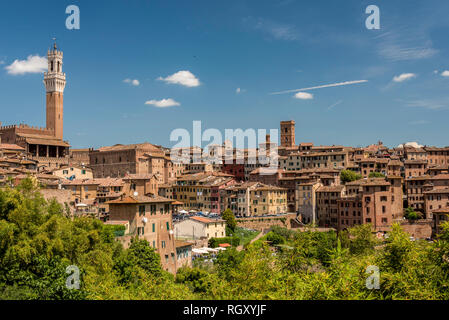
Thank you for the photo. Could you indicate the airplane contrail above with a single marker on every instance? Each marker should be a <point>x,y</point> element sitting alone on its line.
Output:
<point>346,83</point>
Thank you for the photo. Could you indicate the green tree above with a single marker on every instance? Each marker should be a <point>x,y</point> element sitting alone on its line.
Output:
<point>275,238</point>
<point>411,214</point>
<point>348,176</point>
<point>229,217</point>
<point>376,175</point>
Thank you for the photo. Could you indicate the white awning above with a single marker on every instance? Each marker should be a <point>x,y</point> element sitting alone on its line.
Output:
<point>200,251</point>
<point>209,249</point>
<point>81,205</point>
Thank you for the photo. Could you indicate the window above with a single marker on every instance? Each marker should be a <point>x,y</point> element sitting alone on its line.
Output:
<point>140,230</point>
<point>153,227</point>
<point>168,226</point>
<point>142,210</point>
<point>163,244</point>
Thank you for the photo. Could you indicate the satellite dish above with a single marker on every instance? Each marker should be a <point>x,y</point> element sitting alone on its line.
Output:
<point>171,232</point>
<point>136,193</point>
<point>144,220</point>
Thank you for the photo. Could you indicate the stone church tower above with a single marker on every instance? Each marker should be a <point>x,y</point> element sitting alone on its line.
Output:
<point>54,81</point>
<point>288,134</point>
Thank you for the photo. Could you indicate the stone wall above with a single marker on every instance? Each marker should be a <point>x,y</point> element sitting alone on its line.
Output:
<point>265,223</point>
<point>421,229</point>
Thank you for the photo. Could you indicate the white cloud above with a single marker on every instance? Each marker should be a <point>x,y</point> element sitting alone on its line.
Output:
<point>445,73</point>
<point>240,90</point>
<point>403,77</point>
<point>335,104</point>
<point>411,144</point>
<point>304,96</point>
<point>33,64</point>
<point>406,43</point>
<point>273,29</point>
<point>431,104</point>
<point>346,83</point>
<point>164,103</point>
<point>183,77</point>
<point>133,82</point>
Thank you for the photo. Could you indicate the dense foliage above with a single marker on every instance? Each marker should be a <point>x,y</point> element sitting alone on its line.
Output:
<point>38,242</point>
<point>229,217</point>
<point>376,175</point>
<point>348,176</point>
<point>411,214</point>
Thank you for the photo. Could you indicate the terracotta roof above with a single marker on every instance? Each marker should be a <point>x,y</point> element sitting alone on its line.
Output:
<point>395,163</point>
<point>6,146</point>
<point>205,220</point>
<point>140,199</point>
<point>142,146</point>
<point>442,210</point>
<point>43,139</point>
<point>437,191</point>
<point>444,176</point>
<point>180,244</point>
<point>330,189</point>
<point>138,176</point>
<point>266,171</point>
<point>369,182</point>
<point>415,161</point>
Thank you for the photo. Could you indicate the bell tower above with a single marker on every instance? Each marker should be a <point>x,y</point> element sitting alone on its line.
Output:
<point>54,81</point>
<point>288,134</point>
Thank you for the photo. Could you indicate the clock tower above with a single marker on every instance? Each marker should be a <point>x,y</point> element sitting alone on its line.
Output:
<point>54,81</point>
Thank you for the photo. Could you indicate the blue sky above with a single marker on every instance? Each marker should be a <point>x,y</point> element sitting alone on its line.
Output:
<point>258,46</point>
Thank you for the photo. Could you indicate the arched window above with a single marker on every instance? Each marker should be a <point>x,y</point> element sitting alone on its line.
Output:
<point>51,68</point>
<point>59,66</point>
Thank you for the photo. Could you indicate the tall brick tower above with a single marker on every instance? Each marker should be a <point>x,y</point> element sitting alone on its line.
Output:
<point>288,134</point>
<point>54,81</point>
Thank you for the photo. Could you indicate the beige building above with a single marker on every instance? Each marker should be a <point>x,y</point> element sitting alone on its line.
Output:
<point>148,218</point>
<point>306,200</point>
<point>200,227</point>
<point>254,199</point>
<point>73,172</point>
